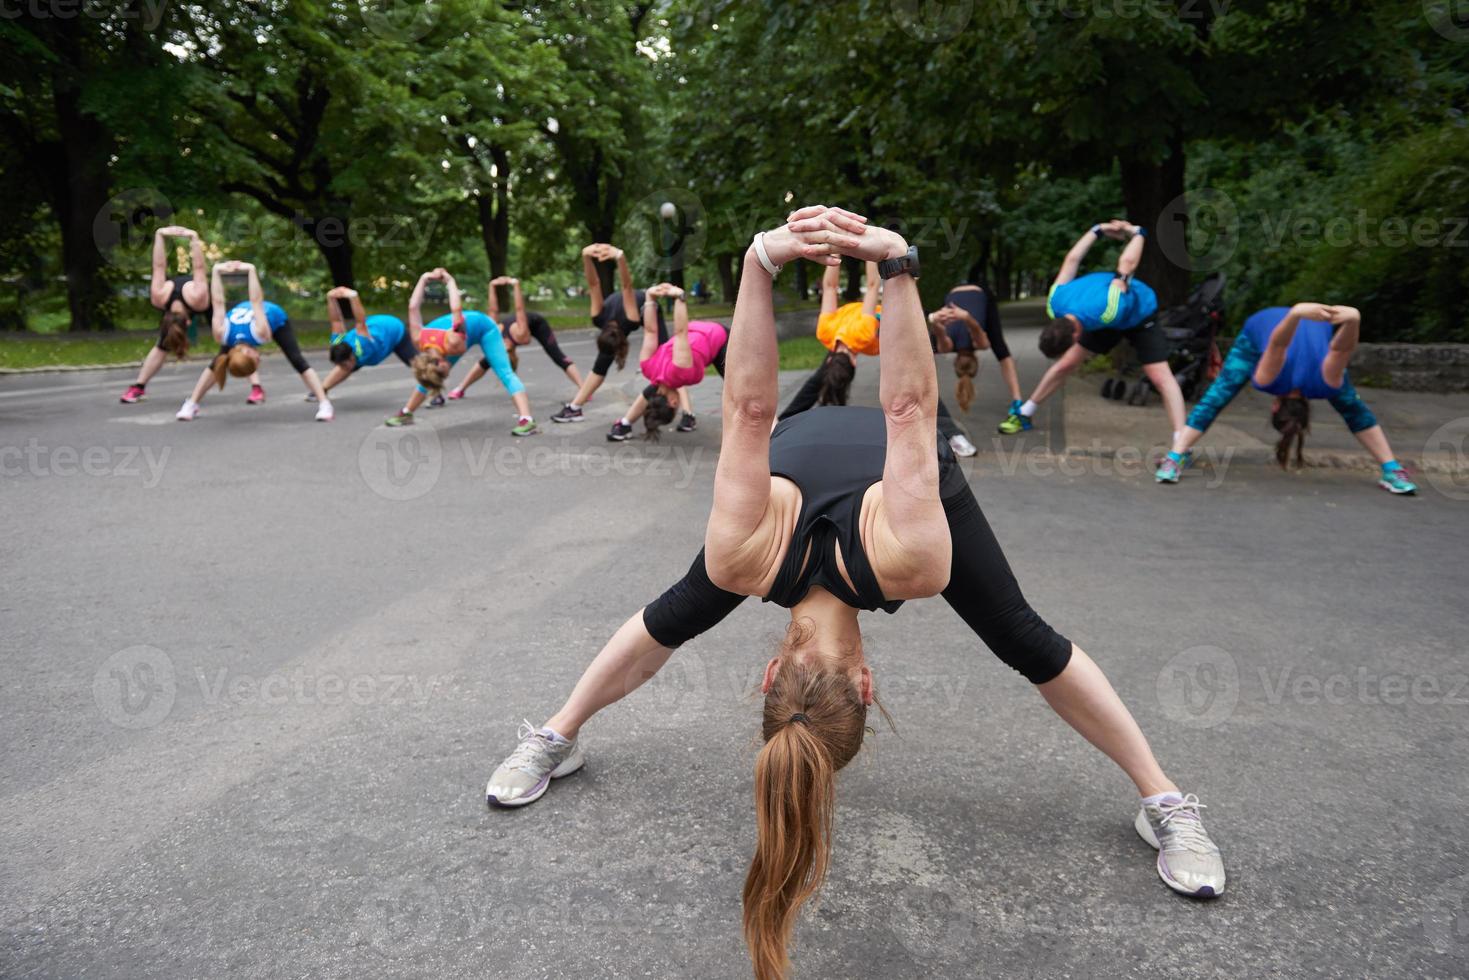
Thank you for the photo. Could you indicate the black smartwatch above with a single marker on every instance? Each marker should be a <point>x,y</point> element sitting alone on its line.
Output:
<point>903,264</point>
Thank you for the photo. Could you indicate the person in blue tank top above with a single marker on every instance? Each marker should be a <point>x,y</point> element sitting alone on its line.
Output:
<point>239,333</point>
<point>1092,314</point>
<point>1297,354</point>
<point>369,341</point>
<point>444,340</point>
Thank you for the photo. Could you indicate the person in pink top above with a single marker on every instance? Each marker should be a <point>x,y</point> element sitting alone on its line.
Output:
<point>678,363</point>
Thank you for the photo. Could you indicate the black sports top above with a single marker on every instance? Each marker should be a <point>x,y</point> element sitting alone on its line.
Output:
<point>833,454</point>
<point>177,296</point>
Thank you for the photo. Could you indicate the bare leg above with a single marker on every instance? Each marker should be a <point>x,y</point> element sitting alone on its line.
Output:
<point>313,384</point>
<point>151,364</point>
<point>1161,375</point>
<point>685,402</point>
<point>475,373</point>
<point>571,372</point>
<point>1012,378</point>
<point>1374,440</point>
<point>635,412</point>
<point>202,386</point>
<point>588,389</point>
<point>522,404</point>
<point>1082,696</point>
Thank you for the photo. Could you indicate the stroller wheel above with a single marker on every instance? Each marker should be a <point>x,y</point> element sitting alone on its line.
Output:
<point>1119,389</point>
<point>1139,394</point>
<point>1107,387</point>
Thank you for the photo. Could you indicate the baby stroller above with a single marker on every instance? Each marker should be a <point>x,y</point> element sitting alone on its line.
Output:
<point>1190,330</point>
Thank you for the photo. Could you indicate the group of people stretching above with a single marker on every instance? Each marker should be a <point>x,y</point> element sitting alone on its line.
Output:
<point>1296,354</point>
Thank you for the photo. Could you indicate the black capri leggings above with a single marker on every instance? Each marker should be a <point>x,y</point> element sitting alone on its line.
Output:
<point>285,339</point>
<point>982,590</point>
<point>540,330</point>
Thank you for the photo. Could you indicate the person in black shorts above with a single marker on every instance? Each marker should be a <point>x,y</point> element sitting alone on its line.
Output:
<point>516,332</point>
<point>838,510</point>
<point>1092,314</point>
<point>615,317</point>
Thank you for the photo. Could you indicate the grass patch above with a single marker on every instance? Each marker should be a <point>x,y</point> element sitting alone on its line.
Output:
<point>801,354</point>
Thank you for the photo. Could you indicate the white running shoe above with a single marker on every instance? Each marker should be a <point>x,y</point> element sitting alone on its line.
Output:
<point>1188,861</point>
<point>189,412</point>
<point>325,412</point>
<point>525,775</point>
<point>961,445</point>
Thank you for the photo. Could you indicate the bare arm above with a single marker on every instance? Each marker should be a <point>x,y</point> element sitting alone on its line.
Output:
<point>1272,359</point>
<point>415,305</point>
<point>1132,254</point>
<point>873,291</point>
<point>520,329</point>
<point>334,310</point>
<point>1071,265</point>
<point>831,282</point>
<point>216,295</point>
<point>650,322</point>
<point>1348,321</point>
<point>589,257</point>
<point>257,300</point>
<point>456,300</point>
<point>624,275</point>
<point>683,354</point>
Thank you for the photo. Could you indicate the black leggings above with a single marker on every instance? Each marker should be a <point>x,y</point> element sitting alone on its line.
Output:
<point>982,590</point>
<point>986,313</point>
<point>541,332</point>
<point>810,391</point>
<point>285,339</point>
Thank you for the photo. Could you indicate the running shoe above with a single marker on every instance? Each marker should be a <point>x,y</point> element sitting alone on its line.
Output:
<point>189,412</point>
<point>400,420</point>
<point>1015,422</point>
<point>325,412</point>
<point>133,395</point>
<point>526,427</point>
<point>688,423</point>
<point>1396,480</point>
<point>1171,467</point>
<point>1188,861</point>
<point>456,394</point>
<point>310,396</point>
<point>568,413</point>
<point>619,432</point>
<point>437,401</point>
<point>257,396</point>
<point>961,445</point>
<point>525,775</point>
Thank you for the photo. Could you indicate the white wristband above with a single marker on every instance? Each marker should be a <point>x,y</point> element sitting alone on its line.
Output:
<point>764,256</point>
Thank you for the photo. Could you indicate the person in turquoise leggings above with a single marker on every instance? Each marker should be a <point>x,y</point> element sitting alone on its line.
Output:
<point>1297,354</point>
<point>443,341</point>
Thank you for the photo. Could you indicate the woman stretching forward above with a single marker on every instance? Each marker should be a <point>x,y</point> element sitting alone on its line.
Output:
<point>840,510</point>
<point>443,341</point>
<point>240,334</point>
<point>672,366</point>
<point>1295,354</point>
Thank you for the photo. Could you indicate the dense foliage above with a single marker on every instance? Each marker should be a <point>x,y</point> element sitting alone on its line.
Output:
<point>1310,149</point>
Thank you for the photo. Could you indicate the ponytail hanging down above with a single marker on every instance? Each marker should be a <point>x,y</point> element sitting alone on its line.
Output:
<point>1292,419</point>
<point>966,366</point>
<point>814,722</point>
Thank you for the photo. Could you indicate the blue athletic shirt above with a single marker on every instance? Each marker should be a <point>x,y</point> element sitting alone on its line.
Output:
<point>1100,305</point>
<point>1303,358</point>
<point>241,323</point>
<point>384,333</point>
<point>480,328</point>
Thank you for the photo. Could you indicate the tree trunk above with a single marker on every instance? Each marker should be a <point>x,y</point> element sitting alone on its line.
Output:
<point>803,287</point>
<point>79,179</point>
<point>853,268</point>
<point>331,237</point>
<point>727,284</point>
<point>1148,188</point>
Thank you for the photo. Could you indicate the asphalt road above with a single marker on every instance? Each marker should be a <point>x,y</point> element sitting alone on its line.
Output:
<point>259,669</point>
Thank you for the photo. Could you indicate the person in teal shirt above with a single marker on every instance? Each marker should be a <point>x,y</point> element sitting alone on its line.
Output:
<point>370,340</point>
<point>1092,314</point>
